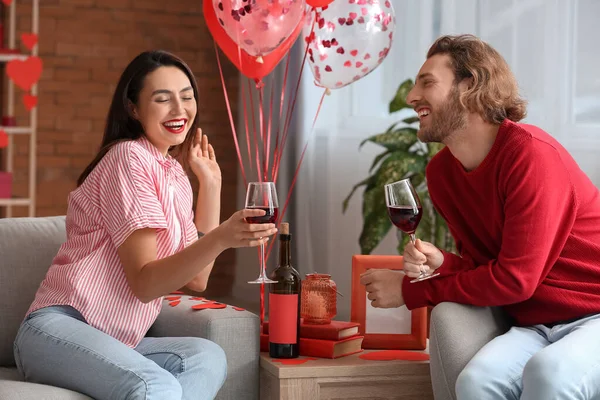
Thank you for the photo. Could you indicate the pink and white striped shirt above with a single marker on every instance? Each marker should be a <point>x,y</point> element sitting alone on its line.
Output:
<point>133,187</point>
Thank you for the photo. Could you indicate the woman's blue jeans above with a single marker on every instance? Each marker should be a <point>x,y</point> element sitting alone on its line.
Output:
<point>55,346</point>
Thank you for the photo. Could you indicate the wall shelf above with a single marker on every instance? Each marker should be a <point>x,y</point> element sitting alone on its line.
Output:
<point>15,202</point>
<point>16,130</point>
<point>11,52</point>
<point>6,57</point>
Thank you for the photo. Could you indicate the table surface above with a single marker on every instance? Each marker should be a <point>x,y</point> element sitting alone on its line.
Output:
<point>351,365</point>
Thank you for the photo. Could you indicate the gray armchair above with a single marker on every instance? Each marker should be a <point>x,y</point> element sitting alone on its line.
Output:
<point>457,332</point>
<point>27,247</point>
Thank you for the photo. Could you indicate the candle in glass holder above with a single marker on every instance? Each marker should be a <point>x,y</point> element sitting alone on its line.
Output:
<point>319,301</point>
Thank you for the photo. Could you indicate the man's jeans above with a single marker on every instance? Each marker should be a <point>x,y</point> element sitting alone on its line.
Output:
<point>537,363</point>
<point>55,346</point>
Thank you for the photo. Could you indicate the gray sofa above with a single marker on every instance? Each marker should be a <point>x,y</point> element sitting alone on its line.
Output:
<point>456,333</point>
<point>27,247</point>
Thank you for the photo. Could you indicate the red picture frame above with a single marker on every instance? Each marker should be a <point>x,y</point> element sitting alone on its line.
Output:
<point>415,340</point>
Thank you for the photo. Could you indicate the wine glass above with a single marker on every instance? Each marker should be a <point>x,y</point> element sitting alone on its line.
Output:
<point>405,211</point>
<point>262,196</point>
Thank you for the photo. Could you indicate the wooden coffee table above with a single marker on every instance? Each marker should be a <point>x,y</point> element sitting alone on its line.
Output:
<point>347,377</point>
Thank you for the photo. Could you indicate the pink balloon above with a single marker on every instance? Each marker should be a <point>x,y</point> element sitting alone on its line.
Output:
<point>350,39</point>
<point>259,26</point>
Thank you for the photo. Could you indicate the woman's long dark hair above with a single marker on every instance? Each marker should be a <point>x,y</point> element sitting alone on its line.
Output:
<point>120,124</point>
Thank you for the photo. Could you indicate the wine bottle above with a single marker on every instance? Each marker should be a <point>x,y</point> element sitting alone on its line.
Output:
<point>284,302</point>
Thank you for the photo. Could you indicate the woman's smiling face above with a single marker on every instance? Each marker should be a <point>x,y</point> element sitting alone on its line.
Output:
<point>166,107</point>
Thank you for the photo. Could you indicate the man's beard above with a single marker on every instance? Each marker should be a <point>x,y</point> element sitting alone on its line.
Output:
<point>450,117</point>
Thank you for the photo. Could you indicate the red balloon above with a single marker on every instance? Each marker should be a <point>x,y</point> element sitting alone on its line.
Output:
<point>318,3</point>
<point>245,63</point>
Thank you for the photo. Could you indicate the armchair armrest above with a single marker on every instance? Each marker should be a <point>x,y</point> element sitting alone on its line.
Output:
<point>237,332</point>
<point>459,331</point>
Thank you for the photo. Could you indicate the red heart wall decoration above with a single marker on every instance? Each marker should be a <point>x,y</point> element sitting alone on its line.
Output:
<point>29,40</point>
<point>294,361</point>
<point>3,139</point>
<point>26,73</point>
<point>29,101</point>
<point>211,306</point>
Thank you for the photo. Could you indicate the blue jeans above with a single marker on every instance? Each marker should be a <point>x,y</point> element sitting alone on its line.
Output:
<point>55,346</point>
<point>537,363</point>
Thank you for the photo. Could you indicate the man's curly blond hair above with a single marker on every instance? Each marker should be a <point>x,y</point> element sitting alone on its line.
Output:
<point>493,93</point>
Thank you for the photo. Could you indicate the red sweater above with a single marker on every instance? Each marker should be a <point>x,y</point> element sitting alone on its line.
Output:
<point>526,223</point>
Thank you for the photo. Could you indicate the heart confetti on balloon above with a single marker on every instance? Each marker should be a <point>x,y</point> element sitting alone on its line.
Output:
<point>259,26</point>
<point>349,40</point>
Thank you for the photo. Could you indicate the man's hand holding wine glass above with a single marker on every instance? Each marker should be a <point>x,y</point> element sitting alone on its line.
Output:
<point>384,286</point>
<point>421,257</point>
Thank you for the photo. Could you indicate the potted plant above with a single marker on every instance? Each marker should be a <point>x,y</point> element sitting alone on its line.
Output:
<point>403,156</point>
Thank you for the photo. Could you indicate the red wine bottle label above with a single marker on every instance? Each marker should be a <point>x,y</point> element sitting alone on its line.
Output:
<point>283,318</point>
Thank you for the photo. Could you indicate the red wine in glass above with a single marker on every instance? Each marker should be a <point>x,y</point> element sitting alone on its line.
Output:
<point>262,196</point>
<point>271,214</point>
<point>405,218</point>
<point>405,211</point>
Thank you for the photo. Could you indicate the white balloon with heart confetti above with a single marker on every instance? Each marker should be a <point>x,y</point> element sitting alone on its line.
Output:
<point>349,39</point>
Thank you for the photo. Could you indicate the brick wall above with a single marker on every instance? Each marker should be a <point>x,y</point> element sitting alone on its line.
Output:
<point>85,45</point>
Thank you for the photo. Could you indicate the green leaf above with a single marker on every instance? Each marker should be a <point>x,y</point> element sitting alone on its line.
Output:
<point>396,166</point>
<point>399,139</point>
<point>417,179</point>
<point>378,159</point>
<point>399,100</point>
<point>411,120</point>
<point>359,184</point>
<point>376,222</point>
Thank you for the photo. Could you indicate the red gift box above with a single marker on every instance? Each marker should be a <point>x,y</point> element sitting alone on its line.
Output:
<point>5,185</point>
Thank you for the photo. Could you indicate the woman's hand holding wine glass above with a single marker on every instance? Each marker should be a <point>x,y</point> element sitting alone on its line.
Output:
<point>237,231</point>
<point>262,196</point>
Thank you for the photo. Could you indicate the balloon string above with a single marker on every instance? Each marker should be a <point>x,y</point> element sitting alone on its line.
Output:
<point>288,116</point>
<point>248,143</point>
<point>231,122</point>
<point>269,127</point>
<point>296,172</point>
<point>262,304</point>
<point>279,123</point>
<point>262,130</point>
<point>256,154</point>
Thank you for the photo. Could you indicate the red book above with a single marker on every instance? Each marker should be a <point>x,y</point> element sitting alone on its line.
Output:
<point>336,330</point>
<point>322,348</point>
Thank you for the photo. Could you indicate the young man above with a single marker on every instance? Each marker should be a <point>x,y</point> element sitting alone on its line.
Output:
<point>526,222</point>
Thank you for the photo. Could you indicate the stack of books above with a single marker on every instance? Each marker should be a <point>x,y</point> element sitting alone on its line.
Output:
<point>333,340</point>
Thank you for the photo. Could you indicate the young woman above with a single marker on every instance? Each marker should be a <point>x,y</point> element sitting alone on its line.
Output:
<point>132,237</point>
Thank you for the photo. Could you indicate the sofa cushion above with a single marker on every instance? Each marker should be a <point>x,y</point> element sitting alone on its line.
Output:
<point>13,388</point>
<point>27,248</point>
